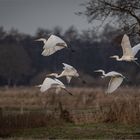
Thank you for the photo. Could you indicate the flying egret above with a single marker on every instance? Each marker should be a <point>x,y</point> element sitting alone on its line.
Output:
<point>52,83</point>
<point>115,81</point>
<point>128,52</point>
<point>53,44</point>
<point>68,71</point>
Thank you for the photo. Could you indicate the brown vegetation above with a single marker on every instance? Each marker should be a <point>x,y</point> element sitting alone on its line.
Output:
<point>121,106</point>
<point>28,108</point>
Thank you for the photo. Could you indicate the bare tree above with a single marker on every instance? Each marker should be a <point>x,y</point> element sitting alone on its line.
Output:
<point>71,33</point>
<point>125,13</point>
<point>57,31</point>
<point>2,33</point>
<point>42,33</point>
<point>15,63</point>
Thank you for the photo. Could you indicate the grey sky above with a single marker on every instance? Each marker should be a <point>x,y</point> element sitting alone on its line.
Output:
<point>28,15</point>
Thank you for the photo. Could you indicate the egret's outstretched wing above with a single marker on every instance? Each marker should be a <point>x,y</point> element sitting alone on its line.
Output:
<point>62,87</point>
<point>114,83</point>
<point>69,68</point>
<point>47,83</point>
<point>53,40</point>
<point>69,71</point>
<point>47,52</point>
<point>126,46</point>
<point>114,74</point>
<point>53,44</point>
<point>59,82</point>
<point>50,51</point>
<point>135,49</point>
<point>66,66</point>
<point>58,41</point>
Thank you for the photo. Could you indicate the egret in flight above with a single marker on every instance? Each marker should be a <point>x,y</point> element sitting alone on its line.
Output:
<point>52,83</point>
<point>128,52</point>
<point>68,71</point>
<point>53,44</point>
<point>115,81</point>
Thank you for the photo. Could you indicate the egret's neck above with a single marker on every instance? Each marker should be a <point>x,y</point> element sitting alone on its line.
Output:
<point>60,75</point>
<point>54,74</point>
<point>103,73</point>
<point>118,59</point>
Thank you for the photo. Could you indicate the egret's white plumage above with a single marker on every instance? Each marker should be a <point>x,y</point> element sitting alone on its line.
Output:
<point>128,52</point>
<point>52,83</point>
<point>69,71</point>
<point>115,81</point>
<point>53,44</point>
<point>135,49</point>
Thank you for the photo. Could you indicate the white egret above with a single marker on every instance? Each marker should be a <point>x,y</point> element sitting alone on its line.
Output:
<point>52,83</point>
<point>128,52</point>
<point>115,81</point>
<point>53,44</point>
<point>69,71</point>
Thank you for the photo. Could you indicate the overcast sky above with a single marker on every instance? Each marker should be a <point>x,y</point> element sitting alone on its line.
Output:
<point>28,15</point>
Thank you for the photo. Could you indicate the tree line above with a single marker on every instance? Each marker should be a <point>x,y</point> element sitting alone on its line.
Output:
<point>21,62</point>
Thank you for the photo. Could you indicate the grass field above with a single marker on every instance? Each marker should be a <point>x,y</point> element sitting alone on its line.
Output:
<point>25,113</point>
